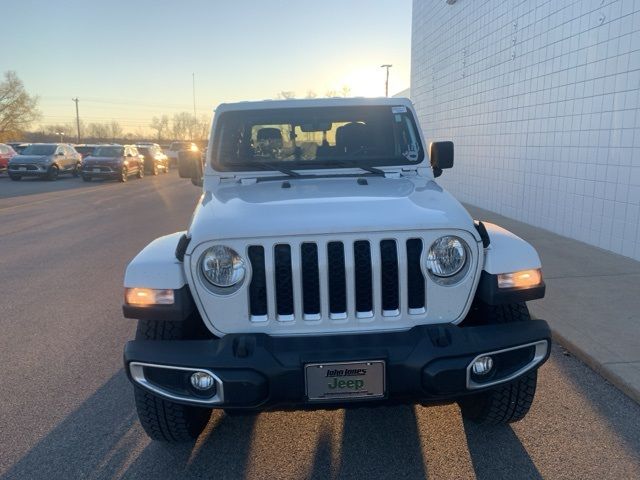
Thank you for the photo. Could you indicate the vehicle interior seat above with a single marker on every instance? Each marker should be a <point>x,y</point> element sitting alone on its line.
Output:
<point>352,137</point>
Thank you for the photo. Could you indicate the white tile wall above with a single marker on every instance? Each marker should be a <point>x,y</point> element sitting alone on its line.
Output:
<point>541,99</point>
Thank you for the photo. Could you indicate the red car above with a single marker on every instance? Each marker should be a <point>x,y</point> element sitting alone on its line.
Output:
<point>6,153</point>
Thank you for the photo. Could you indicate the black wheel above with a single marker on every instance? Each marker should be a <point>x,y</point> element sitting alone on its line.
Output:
<point>86,178</point>
<point>53,173</point>
<point>124,175</point>
<point>505,404</point>
<point>509,402</point>
<point>15,178</point>
<point>163,420</point>
<point>78,170</point>
<point>140,173</point>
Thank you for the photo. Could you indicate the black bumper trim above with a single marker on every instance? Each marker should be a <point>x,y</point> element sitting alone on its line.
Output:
<point>424,364</point>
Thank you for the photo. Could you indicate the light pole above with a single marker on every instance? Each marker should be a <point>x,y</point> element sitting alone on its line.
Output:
<point>61,136</point>
<point>386,83</point>
<point>77,117</point>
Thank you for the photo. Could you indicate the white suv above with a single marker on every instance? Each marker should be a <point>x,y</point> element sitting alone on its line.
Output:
<point>324,266</point>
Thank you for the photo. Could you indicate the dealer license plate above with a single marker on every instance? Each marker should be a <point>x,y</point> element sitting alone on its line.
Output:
<point>96,170</point>
<point>342,381</point>
<point>23,169</point>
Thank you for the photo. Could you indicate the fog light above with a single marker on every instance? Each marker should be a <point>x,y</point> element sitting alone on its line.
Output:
<point>482,365</point>
<point>202,381</point>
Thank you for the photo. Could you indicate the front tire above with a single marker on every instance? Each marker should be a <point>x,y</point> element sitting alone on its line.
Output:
<point>140,173</point>
<point>77,171</point>
<point>163,420</point>
<point>124,175</point>
<point>53,173</point>
<point>509,402</point>
<point>86,178</point>
<point>505,404</point>
<point>15,178</point>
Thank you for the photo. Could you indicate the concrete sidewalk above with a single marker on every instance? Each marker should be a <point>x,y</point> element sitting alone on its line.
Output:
<point>592,301</point>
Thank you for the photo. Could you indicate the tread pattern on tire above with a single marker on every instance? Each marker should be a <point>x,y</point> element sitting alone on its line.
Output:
<point>505,404</point>
<point>512,401</point>
<point>512,312</point>
<point>161,419</point>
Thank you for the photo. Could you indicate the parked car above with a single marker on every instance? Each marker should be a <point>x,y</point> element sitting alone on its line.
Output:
<point>46,160</point>
<point>155,160</point>
<point>177,147</point>
<point>84,149</point>
<point>113,161</point>
<point>6,154</point>
<point>18,146</point>
<point>329,269</point>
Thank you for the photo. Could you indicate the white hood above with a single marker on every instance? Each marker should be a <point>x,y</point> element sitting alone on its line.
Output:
<point>325,205</point>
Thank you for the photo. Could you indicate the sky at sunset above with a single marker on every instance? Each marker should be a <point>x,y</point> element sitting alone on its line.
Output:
<point>131,60</point>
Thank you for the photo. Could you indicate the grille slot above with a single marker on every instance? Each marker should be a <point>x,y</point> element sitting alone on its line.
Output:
<point>283,282</point>
<point>389,276</point>
<point>310,281</point>
<point>363,279</point>
<point>415,278</point>
<point>258,286</point>
<point>337,281</point>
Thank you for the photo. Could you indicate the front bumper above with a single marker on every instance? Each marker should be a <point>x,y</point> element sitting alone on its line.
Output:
<point>100,171</point>
<point>426,364</point>
<point>29,170</point>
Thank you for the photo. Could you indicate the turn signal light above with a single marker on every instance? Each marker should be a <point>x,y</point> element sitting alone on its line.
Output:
<point>148,296</point>
<point>521,279</point>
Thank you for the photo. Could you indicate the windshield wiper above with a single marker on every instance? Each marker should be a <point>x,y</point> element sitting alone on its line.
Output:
<point>271,166</point>
<point>343,164</point>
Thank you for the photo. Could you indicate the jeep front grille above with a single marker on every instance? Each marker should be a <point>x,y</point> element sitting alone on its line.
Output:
<point>337,280</point>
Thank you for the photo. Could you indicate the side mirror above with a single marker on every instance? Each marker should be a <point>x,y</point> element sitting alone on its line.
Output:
<point>190,166</point>
<point>441,155</point>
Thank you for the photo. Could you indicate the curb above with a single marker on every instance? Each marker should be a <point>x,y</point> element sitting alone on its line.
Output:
<point>616,380</point>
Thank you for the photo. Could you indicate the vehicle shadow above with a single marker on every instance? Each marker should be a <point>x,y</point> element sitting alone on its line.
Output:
<point>103,439</point>
<point>380,442</point>
<point>34,186</point>
<point>496,452</point>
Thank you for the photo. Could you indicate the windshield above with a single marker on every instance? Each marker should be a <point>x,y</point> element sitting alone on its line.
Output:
<point>324,137</point>
<point>40,150</point>
<point>84,150</point>
<point>108,152</point>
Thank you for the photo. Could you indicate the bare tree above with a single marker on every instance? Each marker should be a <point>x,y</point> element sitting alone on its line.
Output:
<point>201,130</point>
<point>311,94</point>
<point>115,130</point>
<point>98,131</point>
<point>287,94</point>
<point>18,109</point>
<point>345,91</point>
<point>160,125</point>
<point>183,126</point>
<point>331,93</point>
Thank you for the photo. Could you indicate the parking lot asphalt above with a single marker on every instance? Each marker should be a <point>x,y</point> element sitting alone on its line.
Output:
<point>66,407</point>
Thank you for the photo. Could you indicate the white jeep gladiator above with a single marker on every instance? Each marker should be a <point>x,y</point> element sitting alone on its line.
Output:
<point>325,267</point>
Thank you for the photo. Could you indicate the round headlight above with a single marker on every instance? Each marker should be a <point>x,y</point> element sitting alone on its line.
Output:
<point>446,256</point>
<point>223,266</point>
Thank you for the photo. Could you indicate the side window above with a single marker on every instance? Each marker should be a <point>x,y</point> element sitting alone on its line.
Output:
<point>3,150</point>
<point>60,149</point>
<point>134,151</point>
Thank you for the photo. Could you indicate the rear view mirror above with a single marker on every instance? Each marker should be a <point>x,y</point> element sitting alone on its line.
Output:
<point>190,166</point>
<point>441,155</point>
<point>316,127</point>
